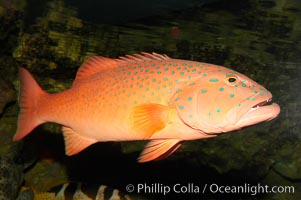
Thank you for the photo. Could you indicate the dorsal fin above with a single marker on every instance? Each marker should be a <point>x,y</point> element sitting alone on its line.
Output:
<point>96,64</point>
<point>93,65</point>
<point>155,56</point>
<point>141,57</point>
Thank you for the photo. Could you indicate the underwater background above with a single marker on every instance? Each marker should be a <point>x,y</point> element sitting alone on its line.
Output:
<point>51,38</point>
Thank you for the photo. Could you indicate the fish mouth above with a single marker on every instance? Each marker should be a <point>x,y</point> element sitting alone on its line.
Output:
<point>260,112</point>
<point>260,104</point>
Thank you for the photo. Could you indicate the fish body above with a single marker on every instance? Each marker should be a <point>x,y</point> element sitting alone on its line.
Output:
<point>76,191</point>
<point>145,97</point>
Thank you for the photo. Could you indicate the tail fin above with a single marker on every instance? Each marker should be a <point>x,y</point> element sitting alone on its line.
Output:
<point>29,95</point>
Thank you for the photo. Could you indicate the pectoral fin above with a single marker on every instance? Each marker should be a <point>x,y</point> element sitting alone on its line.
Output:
<point>149,118</point>
<point>159,149</point>
<point>74,143</point>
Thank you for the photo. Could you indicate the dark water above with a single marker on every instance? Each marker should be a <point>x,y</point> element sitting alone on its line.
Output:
<point>259,38</point>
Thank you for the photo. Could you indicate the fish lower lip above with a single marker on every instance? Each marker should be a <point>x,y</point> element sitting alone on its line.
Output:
<point>259,114</point>
<point>262,111</point>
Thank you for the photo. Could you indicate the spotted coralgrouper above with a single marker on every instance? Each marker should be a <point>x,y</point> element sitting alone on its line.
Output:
<point>145,97</point>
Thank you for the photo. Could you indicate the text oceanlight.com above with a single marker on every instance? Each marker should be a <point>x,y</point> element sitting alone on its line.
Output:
<point>191,188</point>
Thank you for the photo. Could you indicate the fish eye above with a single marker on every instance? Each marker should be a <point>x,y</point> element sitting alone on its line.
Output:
<point>231,79</point>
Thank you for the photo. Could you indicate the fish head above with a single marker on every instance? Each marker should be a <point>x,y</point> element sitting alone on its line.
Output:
<point>224,100</point>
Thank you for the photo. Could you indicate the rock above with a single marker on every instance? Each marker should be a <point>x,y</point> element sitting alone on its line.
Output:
<point>7,94</point>
<point>26,195</point>
<point>290,167</point>
<point>12,165</point>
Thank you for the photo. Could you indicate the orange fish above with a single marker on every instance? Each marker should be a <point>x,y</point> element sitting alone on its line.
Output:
<point>145,97</point>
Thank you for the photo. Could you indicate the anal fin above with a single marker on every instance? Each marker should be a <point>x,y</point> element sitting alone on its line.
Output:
<point>159,149</point>
<point>74,143</point>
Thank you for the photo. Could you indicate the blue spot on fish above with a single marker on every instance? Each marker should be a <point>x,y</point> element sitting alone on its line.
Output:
<point>181,107</point>
<point>218,110</point>
<point>231,95</point>
<point>221,89</point>
<point>189,98</point>
<point>213,80</point>
<point>203,91</point>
